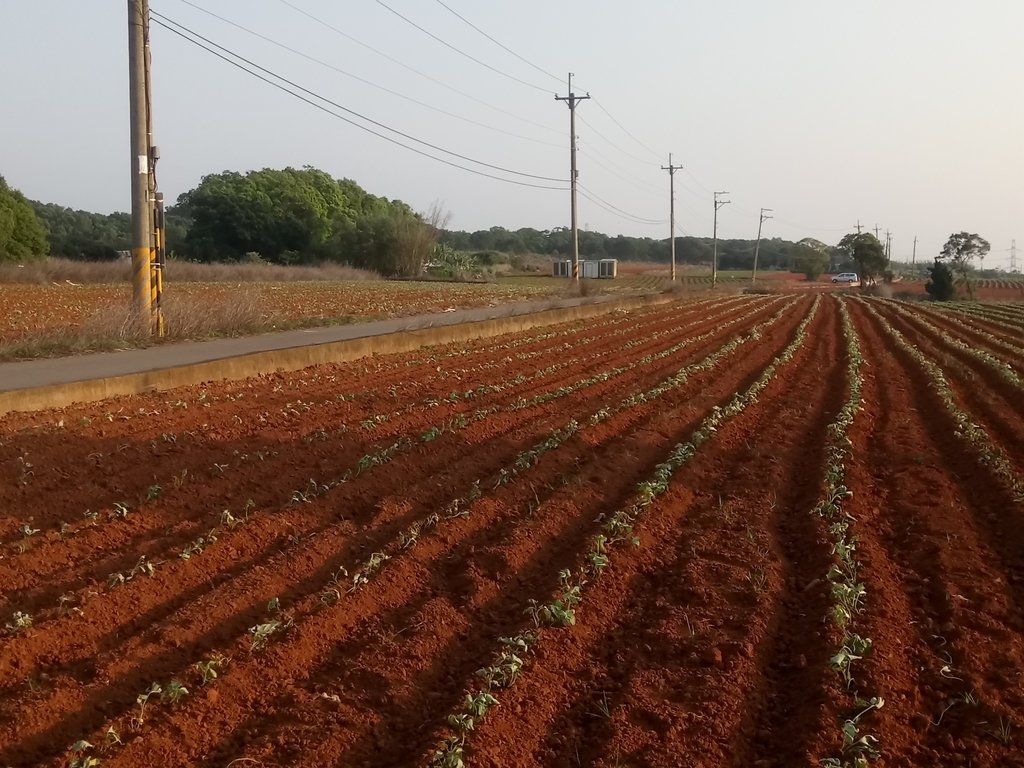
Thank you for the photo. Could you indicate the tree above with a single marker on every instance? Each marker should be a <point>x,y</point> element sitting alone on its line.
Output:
<point>866,252</point>
<point>940,285</point>
<point>811,258</point>
<point>960,250</point>
<point>22,237</point>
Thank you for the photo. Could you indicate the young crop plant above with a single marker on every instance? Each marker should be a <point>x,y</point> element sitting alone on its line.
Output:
<point>19,623</point>
<point>614,528</point>
<point>174,693</point>
<point>79,757</point>
<point>989,454</point>
<point>139,719</point>
<point>210,668</point>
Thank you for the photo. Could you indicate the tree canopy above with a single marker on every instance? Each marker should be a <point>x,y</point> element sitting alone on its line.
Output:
<point>960,250</point>
<point>22,237</point>
<point>811,258</point>
<point>866,252</point>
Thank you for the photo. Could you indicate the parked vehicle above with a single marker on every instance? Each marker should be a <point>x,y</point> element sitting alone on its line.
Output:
<point>846,277</point>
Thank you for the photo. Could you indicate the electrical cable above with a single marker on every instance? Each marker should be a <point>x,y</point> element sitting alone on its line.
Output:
<point>624,129</point>
<point>322,108</point>
<point>363,80</point>
<point>353,112</point>
<point>592,197</point>
<point>500,45</point>
<point>415,71</point>
<point>459,51</point>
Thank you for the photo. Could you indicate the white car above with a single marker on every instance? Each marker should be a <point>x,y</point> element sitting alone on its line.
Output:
<point>846,277</point>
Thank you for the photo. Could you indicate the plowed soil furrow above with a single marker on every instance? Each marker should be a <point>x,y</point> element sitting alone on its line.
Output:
<point>436,608</point>
<point>1011,354</point>
<point>163,526</point>
<point>938,539</point>
<point>1005,332</point>
<point>237,592</point>
<point>169,538</point>
<point>994,404</point>
<point>119,451</point>
<point>675,636</point>
<point>128,464</point>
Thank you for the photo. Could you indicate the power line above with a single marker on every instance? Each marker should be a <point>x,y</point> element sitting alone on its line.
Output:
<point>363,80</point>
<point>415,71</point>
<point>322,108</point>
<point>459,51</point>
<point>500,45</point>
<point>616,146</point>
<point>616,210</point>
<point>352,111</point>
<point>624,129</point>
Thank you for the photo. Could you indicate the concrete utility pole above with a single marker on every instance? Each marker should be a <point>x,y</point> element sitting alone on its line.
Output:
<point>142,225</point>
<point>913,257</point>
<point>672,209</point>
<point>572,99</point>
<point>877,228</point>
<point>1013,255</point>
<point>888,246</point>
<point>148,244</point>
<point>859,226</point>
<point>765,214</point>
<point>714,255</point>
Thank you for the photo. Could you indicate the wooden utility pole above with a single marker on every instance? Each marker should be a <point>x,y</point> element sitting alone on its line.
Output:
<point>672,209</point>
<point>572,99</point>
<point>714,254</point>
<point>765,214</point>
<point>142,224</point>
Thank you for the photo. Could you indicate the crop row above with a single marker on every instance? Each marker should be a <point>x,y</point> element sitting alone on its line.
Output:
<point>277,621</point>
<point>615,530</point>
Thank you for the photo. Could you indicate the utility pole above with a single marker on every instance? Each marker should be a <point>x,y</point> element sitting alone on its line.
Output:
<point>913,257</point>
<point>147,243</point>
<point>714,255</point>
<point>142,225</point>
<point>672,209</point>
<point>888,246</point>
<point>572,99</point>
<point>876,231</point>
<point>859,226</point>
<point>765,214</point>
<point>1013,255</point>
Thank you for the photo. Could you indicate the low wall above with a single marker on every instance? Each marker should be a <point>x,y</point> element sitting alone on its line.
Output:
<point>297,358</point>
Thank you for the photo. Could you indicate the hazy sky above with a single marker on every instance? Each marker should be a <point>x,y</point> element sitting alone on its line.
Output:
<point>907,114</point>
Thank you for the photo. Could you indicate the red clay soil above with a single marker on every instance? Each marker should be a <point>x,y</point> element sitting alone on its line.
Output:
<point>707,645</point>
<point>145,605</point>
<point>943,557</point>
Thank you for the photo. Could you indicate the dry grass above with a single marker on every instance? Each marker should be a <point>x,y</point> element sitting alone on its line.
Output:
<point>67,270</point>
<point>185,319</point>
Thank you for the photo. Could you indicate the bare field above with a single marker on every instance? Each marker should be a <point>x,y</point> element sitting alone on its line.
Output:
<point>730,531</point>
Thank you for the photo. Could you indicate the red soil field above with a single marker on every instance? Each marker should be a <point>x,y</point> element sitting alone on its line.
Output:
<point>712,533</point>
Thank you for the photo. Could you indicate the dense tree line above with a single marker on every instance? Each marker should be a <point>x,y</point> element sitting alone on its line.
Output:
<point>732,254</point>
<point>22,237</point>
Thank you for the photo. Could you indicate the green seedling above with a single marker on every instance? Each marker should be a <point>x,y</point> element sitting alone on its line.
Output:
<point>210,668</point>
<point>142,699</point>
<point>174,692</point>
<point>20,621</point>
<point>79,758</point>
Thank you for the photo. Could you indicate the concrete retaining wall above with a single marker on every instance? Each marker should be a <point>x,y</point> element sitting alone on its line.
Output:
<point>297,358</point>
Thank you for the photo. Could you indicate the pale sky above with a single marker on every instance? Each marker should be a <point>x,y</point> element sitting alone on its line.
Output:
<point>906,114</point>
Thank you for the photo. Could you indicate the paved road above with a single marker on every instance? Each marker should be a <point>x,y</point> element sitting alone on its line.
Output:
<point>40,373</point>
